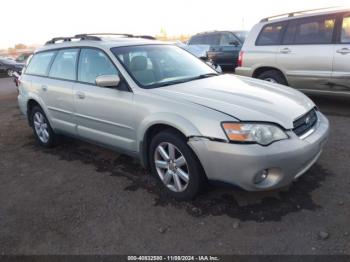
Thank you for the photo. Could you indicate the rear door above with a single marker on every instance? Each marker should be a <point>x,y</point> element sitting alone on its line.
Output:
<point>306,52</point>
<point>58,90</point>
<point>341,67</point>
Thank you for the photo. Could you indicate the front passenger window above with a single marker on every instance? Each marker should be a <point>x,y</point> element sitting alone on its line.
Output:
<point>94,63</point>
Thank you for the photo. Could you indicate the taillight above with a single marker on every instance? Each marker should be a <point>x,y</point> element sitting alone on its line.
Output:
<point>240,59</point>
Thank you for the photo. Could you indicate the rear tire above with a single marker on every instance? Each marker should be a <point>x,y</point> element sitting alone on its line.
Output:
<point>177,168</point>
<point>43,132</point>
<point>273,76</point>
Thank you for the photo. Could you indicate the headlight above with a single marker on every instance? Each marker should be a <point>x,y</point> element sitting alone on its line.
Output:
<point>263,134</point>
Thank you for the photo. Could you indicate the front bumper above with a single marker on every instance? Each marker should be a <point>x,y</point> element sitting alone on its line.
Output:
<point>285,160</point>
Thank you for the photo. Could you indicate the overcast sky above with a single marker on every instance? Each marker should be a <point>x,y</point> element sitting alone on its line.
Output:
<point>35,21</point>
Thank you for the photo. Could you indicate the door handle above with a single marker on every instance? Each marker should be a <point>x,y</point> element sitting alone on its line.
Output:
<point>44,88</point>
<point>343,51</point>
<point>80,95</point>
<point>285,51</point>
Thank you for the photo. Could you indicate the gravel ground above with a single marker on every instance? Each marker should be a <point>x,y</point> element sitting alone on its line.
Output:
<point>82,199</point>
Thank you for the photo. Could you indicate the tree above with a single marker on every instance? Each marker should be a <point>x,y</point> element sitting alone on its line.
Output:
<point>20,46</point>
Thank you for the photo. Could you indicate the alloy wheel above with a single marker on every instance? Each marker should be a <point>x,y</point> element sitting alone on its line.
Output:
<point>41,127</point>
<point>171,167</point>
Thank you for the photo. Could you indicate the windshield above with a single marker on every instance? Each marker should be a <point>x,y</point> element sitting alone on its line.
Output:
<point>154,66</point>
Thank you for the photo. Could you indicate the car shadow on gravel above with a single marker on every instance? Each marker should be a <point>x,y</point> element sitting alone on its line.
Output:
<point>216,201</point>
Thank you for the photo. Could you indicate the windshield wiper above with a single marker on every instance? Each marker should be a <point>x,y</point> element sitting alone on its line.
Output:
<point>206,75</point>
<point>186,80</point>
<point>173,82</point>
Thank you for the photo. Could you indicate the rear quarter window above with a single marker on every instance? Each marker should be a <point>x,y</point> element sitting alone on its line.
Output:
<point>39,63</point>
<point>271,34</point>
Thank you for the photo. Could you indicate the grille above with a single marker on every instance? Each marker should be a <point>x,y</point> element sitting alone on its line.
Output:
<point>305,123</point>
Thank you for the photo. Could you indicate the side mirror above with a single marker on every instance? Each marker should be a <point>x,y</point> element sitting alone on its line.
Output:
<point>107,80</point>
<point>235,43</point>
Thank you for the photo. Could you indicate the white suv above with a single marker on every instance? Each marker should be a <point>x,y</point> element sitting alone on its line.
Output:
<point>307,50</point>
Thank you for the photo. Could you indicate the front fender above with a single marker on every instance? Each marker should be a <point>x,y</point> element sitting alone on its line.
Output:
<point>171,119</point>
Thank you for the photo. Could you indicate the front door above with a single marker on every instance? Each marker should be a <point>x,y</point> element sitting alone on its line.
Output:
<point>229,47</point>
<point>102,114</point>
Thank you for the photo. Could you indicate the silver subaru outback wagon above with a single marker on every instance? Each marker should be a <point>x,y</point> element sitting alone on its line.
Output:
<point>185,122</point>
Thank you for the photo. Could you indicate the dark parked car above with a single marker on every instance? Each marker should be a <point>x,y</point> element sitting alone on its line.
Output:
<point>8,66</point>
<point>224,46</point>
<point>22,58</point>
<point>199,51</point>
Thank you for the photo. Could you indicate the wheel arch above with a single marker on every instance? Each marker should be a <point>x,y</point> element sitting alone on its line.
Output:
<point>178,124</point>
<point>31,103</point>
<point>263,69</point>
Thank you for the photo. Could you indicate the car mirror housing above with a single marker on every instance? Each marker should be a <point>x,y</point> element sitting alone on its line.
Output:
<point>107,80</point>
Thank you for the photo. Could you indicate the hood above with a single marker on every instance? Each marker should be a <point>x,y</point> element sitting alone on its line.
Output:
<point>246,99</point>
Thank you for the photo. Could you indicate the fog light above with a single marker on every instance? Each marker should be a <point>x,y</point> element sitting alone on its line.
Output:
<point>261,176</point>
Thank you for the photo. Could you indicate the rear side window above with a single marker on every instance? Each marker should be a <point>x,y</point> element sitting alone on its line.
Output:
<point>196,40</point>
<point>345,33</point>
<point>271,34</point>
<point>39,63</point>
<point>94,63</point>
<point>289,35</point>
<point>205,39</point>
<point>213,39</point>
<point>64,65</point>
<point>315,30</point>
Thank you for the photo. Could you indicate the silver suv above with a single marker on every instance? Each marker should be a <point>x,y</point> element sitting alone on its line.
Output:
<point>308,50</point>
<point>183,120</point>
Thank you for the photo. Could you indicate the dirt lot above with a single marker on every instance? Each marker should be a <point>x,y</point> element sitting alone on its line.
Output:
<point>82,199</point>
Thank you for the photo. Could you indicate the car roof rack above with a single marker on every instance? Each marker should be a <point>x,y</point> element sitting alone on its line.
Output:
<point>292,14</point>
<point>118,34</point>
<point>104,34</point>
<point>70,38</point>
<point>94,37</point>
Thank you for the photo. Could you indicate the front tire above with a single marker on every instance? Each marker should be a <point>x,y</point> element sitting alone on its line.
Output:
<point>273,76</point>
<point>9,72</point>
<point>43,132</point>
<point>176,166</point>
